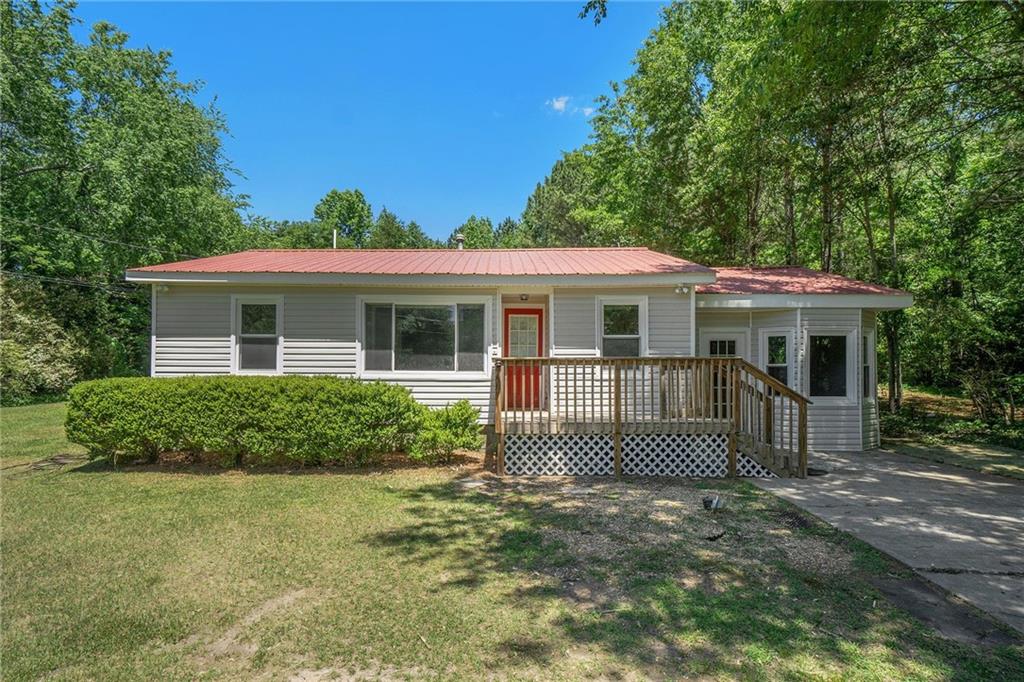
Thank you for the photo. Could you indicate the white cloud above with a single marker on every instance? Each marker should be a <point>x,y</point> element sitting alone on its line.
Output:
<point>587,111</point>
<point>559,104</point>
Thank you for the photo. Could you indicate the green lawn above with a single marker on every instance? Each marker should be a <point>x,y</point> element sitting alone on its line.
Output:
<point>411,573</point>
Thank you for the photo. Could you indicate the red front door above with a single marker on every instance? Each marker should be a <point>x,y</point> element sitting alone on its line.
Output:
<point>524,336</point>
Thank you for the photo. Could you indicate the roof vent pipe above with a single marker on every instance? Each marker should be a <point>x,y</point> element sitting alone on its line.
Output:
<point>460,240</point>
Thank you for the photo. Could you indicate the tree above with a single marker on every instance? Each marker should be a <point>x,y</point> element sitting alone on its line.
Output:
<point>877,140</point>
<point>347,212</point>
<point>108,163</point>
<point>478,233</point>
<point>388,232</point>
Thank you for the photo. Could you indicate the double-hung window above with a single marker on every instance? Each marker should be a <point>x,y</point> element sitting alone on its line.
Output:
<point>424,337</point>
<point>777,354</point>
<point>257,335</point>
<point>622,323</point>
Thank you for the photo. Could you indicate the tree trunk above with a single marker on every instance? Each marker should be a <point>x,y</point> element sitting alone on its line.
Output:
<point>789,215</point>
<point>892,342</point>
<point>827,210</point>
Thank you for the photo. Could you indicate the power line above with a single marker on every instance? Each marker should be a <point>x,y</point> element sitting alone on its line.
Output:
<point>57,228</point>
<point>117,291</point>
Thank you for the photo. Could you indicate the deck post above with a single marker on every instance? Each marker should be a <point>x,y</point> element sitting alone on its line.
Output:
<point>734,429</point>
<point>499,422</point>
<point>802,440</point>
<point>617,425</point>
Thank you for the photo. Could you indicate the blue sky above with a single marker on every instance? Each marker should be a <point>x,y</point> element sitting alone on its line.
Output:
<point>436,111</point>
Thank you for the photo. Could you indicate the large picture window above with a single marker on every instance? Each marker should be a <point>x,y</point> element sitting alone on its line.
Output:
<point>621,326</point>
<point>828,365</point>
<point>413,337</point>
<point>258,336</point>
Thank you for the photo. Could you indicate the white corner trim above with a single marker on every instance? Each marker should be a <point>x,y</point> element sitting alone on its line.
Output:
<point>152,330</point>
<point>693,322</point>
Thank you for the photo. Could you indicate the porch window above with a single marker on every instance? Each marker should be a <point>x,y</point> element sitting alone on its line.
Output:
<point>423,338</point>
<point>777,360</point>
<point>621,330</point>
<point>258,336</point>
<point>828,368</point>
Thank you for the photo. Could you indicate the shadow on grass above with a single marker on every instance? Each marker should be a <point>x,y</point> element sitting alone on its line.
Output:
<point>684,606</point>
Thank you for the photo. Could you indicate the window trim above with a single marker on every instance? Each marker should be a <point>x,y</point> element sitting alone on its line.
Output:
<point>237,300</point>
<point>426,299</point>
<point>872,363</point>
<point>601,302</point>
<point>852,364</point>
<point>790,334</point>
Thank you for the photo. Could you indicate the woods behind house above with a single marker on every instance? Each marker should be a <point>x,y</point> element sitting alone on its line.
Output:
<point>883,141</point>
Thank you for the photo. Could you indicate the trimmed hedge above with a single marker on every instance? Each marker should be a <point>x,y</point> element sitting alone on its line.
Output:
<point>255,420</point>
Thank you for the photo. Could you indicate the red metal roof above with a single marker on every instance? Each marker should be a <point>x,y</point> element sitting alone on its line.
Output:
<point>502,262</point>
<point>789,280</point>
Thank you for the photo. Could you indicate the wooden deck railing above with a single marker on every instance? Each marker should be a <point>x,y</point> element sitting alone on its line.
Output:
<point>763,418</point>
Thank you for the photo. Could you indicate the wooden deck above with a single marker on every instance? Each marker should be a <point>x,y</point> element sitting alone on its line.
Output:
<point>760,417</point>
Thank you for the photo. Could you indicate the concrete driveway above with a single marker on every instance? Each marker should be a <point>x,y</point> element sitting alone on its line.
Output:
<point>959,529</point>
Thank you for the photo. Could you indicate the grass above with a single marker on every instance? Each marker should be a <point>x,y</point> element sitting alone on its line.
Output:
<point>33,432</point>
<point>413,573</point>
<point>942,427</point>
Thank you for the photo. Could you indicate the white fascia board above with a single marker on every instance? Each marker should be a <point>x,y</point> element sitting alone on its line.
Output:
<point>740,301</point>
<point>657,279</point>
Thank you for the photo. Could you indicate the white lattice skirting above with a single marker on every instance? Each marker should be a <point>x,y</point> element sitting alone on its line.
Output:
<point>559,455</point>
<point>695,455</point>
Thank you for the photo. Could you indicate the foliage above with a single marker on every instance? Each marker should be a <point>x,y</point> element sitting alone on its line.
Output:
<point>877,140</point>
<point>348,213</point>
<point>108,163</point>
<point>243,419</point>
<point>478,233</point>
<point>445,430</point>
<point>37,356</point>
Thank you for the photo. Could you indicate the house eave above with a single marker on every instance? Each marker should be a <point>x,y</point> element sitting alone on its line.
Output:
<point>298,278</point>
<point>752,301</point>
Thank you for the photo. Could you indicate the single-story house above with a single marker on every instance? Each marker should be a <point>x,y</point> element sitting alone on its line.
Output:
<point>580,360</point>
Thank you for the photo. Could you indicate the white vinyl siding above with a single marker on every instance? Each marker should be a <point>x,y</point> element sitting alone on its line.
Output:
<point>849,426</point>
<point>192,335</point>
<point>320,333</point>
<point>192,332</point>
<point>574,318</point>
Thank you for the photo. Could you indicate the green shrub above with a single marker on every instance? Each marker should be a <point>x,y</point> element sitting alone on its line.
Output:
<point>250,420</point>
<point>446,430</point>
<point>38,357</point>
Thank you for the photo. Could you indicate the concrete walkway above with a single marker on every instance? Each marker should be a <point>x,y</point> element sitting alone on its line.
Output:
<point>960,529</point>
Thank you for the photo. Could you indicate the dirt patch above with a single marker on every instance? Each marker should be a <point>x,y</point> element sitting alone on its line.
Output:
<point>231,645</point>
